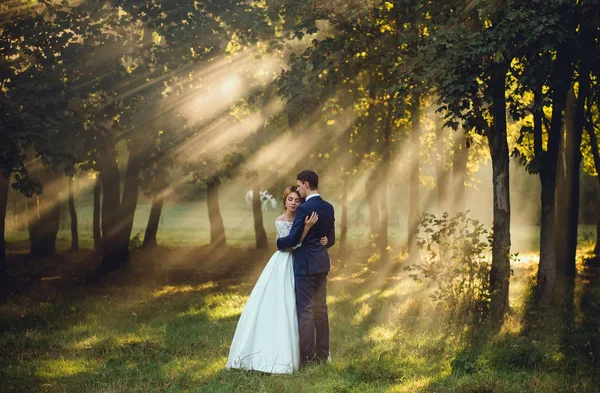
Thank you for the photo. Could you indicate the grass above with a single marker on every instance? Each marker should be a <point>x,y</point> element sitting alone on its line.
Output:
<point>165,325</point>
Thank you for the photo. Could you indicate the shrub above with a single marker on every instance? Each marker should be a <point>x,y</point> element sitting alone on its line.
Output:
<point>456,263</point>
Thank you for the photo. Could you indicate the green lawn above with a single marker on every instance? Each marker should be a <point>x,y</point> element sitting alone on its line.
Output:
<point>165,325</point>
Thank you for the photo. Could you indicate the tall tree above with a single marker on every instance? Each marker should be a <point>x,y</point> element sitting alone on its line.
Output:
<point>73,215</point>
<point>415,150</point>
<point>96,231</point>
<point>471,64</point>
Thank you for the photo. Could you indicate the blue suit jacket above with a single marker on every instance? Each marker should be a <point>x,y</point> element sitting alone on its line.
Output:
<point>311,257</point>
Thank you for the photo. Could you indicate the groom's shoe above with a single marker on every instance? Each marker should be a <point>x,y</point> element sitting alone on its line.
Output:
<point>315,361</point>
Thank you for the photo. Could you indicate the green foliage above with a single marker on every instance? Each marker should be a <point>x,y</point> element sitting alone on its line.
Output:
<point>457,263</point>
<point>135,242</point>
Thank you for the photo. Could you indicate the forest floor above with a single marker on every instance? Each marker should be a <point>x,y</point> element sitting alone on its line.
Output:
<point>165,323</point>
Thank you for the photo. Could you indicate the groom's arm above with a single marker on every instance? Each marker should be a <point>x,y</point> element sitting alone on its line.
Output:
<point>293,238</point>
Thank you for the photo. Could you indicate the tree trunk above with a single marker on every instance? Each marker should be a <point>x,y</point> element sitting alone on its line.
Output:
<point>4,186</point>
<point>459,173</point>
<point>44,224</point>
<point>442,174</point>
<point>96,214</point>
<point>573,169</point>
<point>43,227</point>
<point>385,174</point>
<point>111,197</point>
<point>372,184</point>
<point>344,226</point>
<point>562,193</point>
<point>153,221</point>
<point>259,140</point>
<point>111,203</point>
<point>546,277</point>
<point>371,193</point>
<point>217,229</point>
<point>415,149</point>
<point>500,271</point>
<point>73,215</point>
<point>566,201</point>
<point>259,228</point>
<point>594,145</point>
<point>549,165</point>
<point>127,208</point>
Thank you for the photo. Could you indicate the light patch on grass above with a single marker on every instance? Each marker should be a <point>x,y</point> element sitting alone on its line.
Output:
<point>512,324</point>
<point>86,343</point>
<point>197,370</point>
<point>364,311</point>
<point>410,385</point>
<point>365,297</point>
<point>55,368</point>
<point>173,290</point>
<point>381,333</point>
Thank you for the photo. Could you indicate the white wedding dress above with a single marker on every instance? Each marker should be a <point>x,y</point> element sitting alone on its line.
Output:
<point>266,338</point>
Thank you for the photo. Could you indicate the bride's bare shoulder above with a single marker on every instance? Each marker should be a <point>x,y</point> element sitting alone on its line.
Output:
<point>280,218</point>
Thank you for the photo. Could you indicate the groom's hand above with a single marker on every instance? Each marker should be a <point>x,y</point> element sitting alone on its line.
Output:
<point>323,241</point>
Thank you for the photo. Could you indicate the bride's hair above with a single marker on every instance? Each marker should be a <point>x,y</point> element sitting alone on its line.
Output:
<point>288,191</point>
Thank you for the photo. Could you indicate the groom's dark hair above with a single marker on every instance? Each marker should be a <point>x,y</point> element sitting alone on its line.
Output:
<point>310,177</point>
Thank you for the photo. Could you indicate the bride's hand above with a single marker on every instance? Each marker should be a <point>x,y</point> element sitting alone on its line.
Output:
<point>323,241</point>
<point>312,220</point>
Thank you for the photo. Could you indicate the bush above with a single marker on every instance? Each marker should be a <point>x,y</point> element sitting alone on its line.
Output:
<point>135,242</point>
<point>457,263</point>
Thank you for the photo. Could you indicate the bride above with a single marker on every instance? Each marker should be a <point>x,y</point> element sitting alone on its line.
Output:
<point>266,337</point>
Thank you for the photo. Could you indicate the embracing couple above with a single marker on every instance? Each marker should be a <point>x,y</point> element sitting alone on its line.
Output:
<point>284,325</point>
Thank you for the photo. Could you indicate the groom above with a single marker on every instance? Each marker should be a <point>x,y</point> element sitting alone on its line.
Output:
<point>311,266</point>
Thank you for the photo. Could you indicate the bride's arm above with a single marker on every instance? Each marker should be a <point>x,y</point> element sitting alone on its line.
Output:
<point>309,222</point>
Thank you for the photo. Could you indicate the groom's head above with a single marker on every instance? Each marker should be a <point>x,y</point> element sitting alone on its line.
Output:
<point>307,181</point>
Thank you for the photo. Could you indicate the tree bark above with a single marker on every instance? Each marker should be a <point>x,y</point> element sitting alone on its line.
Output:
<point>386,158</point>
<point>415,149</point>
<point>128,206</point>
<point>259,228</point>
<point>111,196</point>
<point>549,164</point>
<point>153,222</point>
<point>96,214</point>
<point>372,183</point>
<point>573,169</point>
<point>546,277</point>
<point>459,173</point>
<point>589,125</point>
<point>442,174</point>
<point>371,193</point>
<point>4,186</point>
<point>500,270</point>
<point>73,215</point>
<point>44,224</point>
<point>217,229</point>
<point>120,213</point>
<point>259,140</point>
<point>569,191</point>
<point>562,193</point>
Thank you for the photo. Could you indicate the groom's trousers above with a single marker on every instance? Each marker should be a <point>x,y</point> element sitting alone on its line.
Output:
<point>313,321</point>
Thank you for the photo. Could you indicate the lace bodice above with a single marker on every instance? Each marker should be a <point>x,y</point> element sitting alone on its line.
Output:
<point>283,227</point>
